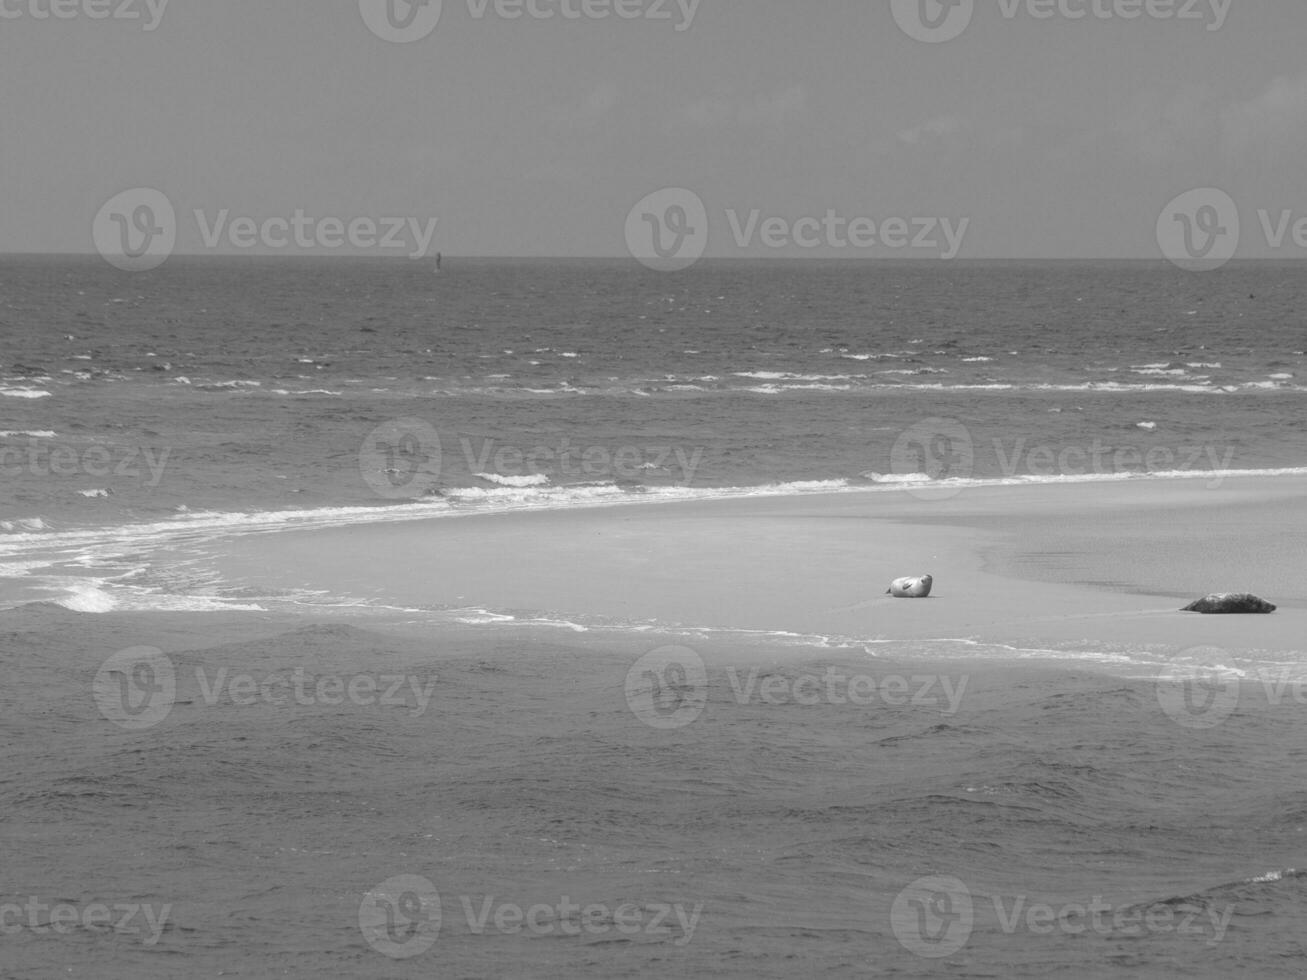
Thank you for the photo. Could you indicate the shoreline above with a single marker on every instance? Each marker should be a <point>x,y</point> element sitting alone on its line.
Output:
<point>1095,567</point>
<point>816,564</point>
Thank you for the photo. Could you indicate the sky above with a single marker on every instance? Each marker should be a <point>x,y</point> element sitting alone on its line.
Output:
<point>749,128</point>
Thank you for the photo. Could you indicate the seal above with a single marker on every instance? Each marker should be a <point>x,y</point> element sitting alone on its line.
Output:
<point>911,587</point>
<point>1230,602</point>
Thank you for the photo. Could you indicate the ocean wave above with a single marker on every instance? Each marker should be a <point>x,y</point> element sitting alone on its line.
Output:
<point>1023,479</point>
<point>530,480</point>
<point>33,434</point>
<point>898,381</point>
<point>533,496</point>
<point>193,526</point>
<point>1244,893</point>
<point>1274,876</point>
<point>790,376</point>
<point>19,569</point>
<point>24,393</point>
<point>25,525</point>
<point>477,616</point>
<point>1111,387</point>
<point>778,389</point>
<point>898,477</point>
<point>871,357</point>
<point>85,597</point>
<point>221,385</point>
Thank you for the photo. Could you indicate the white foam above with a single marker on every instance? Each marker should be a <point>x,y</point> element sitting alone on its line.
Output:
<point>87,598</point>
<point>533,495</point>
<point>1272,876</point>
<point>897,477</point>
<point>23,525</point>
<point>19,569</point>
<point>481,617</point>
<point>24,393</point>
<point>33,434</point>
<point>788,376</point>
<point>163,602</point>
<point>529,480</point>
<point>778,389</point>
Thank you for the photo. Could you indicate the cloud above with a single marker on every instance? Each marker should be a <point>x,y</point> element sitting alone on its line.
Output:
<point>761,110</point>
<point>1276,116</point>
<point>1161,128</point>
<point>941,126</point>
<point>708,113</point>
<point>1192,125</point>
<point>590,111</point>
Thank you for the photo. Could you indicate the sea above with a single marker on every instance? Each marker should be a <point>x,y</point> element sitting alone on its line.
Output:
<point>1060,825</point>
<point>217,395</point>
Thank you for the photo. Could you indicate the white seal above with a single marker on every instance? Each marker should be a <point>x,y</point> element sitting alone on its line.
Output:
<point>910,587</point>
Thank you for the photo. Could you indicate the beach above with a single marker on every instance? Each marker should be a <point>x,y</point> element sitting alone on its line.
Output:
<point>695,738</point>
<point>1098,563</point>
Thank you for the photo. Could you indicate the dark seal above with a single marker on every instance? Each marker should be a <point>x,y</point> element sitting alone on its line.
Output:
<point>1230,602</point>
